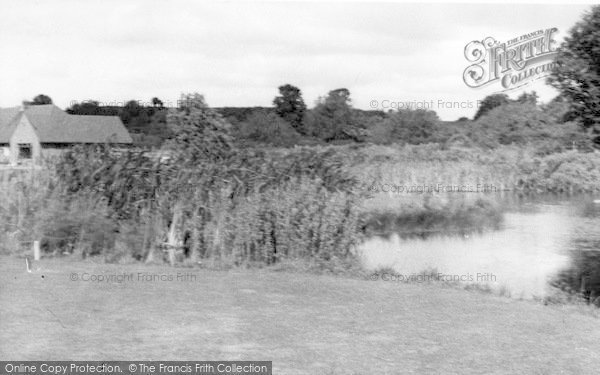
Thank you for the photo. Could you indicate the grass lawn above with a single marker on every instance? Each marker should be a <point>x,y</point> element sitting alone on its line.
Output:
<point>305,324</point>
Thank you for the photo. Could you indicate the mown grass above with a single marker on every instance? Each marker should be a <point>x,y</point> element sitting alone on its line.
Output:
<point>303,323</point>
<point>298,320</point>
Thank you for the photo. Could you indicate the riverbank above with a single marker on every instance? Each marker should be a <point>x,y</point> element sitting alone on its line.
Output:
<point>430,189</point>
<point>303,323</point>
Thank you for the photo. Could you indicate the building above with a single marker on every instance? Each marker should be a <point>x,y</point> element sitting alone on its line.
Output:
<point>36,133</point>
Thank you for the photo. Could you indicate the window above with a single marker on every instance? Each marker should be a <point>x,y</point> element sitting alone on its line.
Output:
<point>24,150</point>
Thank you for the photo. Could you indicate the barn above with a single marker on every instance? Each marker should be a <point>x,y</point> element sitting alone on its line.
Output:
<point>32,134</point>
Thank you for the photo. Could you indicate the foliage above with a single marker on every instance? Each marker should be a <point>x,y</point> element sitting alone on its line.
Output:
<point>413,126</point>
<point>332,118</point>
<point>290,106</point>
<point>35,206</point>
<point>577,73</point>
<point>92,108</point>
<point>528,98</point>
<point>568,172</point>
<point>209,199</point>
<point>510,168</point>
<point>490,102</point>
<point>267,128</point>
<point>380,132</point>
<point>41,100</point>
<point>125,180</point>
<point>558,108</point>
<point>200,133</point>
<point>156,102</point>
<point>522,124</point>
<point>239,114</point>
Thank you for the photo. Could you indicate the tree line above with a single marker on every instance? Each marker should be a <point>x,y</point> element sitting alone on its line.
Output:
<point>573,115</point>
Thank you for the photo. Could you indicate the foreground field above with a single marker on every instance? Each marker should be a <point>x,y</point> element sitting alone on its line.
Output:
<point>305,324</point>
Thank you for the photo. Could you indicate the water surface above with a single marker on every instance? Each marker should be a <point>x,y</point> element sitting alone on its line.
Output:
<point>540,245</point>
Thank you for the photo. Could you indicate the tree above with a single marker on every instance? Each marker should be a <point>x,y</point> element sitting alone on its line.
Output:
<point>333,117</point>
<point>413,126</point>
<point>156,102</point>
<point>490,102</point>
<point>267,127</point>
<point>41,100</point>
<point>87,108</point>
<point>558,108</point>
<point>577,72</point>
<point>290,106</point>
<point>527,98</point>
<point>200,134</point>
<point>133,108</point>
<point>522,124</point>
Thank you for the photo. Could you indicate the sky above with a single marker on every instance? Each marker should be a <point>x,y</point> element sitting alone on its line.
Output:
<point>238,53</point>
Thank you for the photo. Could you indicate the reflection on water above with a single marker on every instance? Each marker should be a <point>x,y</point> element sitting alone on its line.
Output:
<point>539,245</point>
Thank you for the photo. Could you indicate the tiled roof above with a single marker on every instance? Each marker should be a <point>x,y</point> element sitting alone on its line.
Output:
<point>9,117</point>
<point>53,125</point>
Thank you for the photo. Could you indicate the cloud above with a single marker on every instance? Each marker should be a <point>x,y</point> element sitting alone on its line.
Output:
<point>237,53</point>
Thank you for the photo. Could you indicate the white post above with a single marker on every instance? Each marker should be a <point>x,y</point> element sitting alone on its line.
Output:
<point>37,253</point>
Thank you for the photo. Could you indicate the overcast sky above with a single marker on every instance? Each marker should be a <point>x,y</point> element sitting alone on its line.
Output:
<point>238,53</point>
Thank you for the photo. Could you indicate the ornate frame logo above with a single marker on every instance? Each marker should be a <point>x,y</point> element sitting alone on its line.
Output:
<point>514,63</point>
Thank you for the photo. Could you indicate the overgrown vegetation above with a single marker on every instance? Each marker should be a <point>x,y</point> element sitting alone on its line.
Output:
<point>577,73</point>
<point>548,128</point>
<point>203,200</point>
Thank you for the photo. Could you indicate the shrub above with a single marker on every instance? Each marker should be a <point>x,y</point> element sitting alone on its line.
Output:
<point>268,128</point>
<point>570,172</point>
<point>333,118</point>
<point>413,126</point>
<point>523,124</point>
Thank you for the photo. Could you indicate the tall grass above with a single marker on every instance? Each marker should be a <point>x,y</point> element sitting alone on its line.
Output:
<point>403,183</point>
<point>298,220</point>
<point>35,207</point>
<point>516,169</point>
<point>256,208</point>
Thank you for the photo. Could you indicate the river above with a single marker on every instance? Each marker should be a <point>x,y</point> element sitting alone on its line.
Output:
<point>541,244</point>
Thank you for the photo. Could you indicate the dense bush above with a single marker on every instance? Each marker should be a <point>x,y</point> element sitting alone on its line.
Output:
<point>490,102</point>
<point>577,72</point>
<point>333,118</point>
<point>406,126</point>
<point>266,128</point>
<point>526,124</point>
<point>569,172</point>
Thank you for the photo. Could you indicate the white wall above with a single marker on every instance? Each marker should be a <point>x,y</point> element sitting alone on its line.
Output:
<point>4,154</point>
<point>24,133</point>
